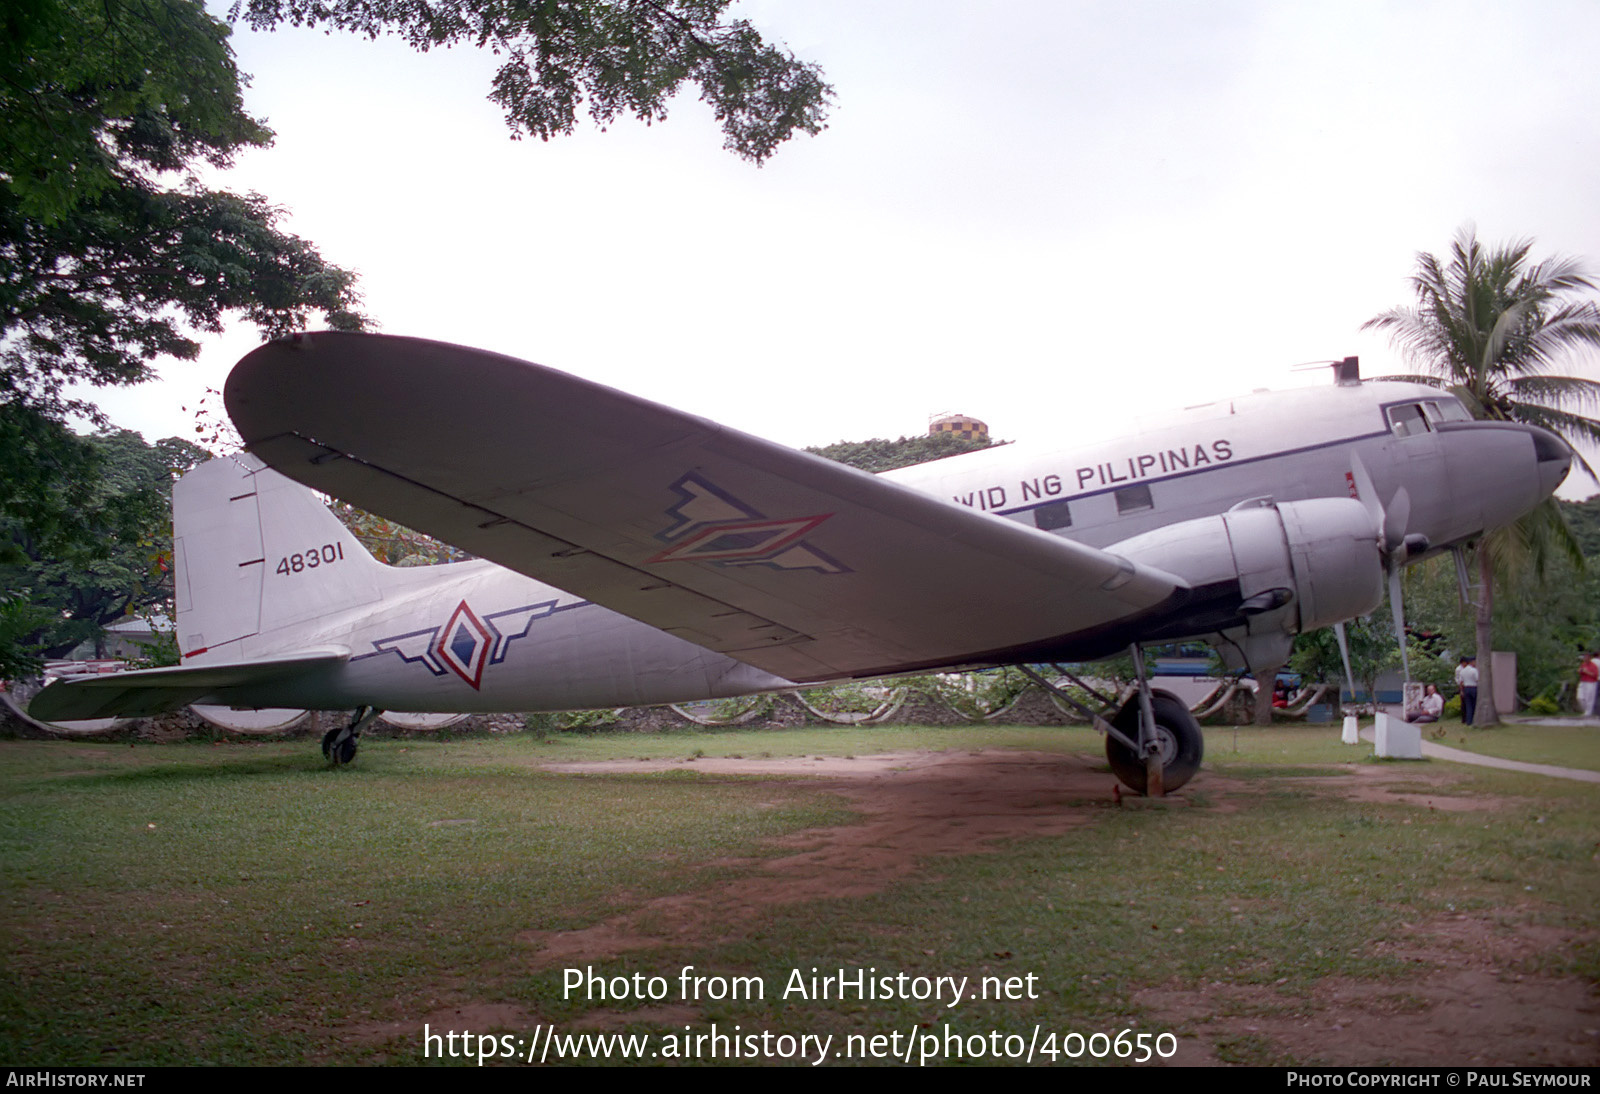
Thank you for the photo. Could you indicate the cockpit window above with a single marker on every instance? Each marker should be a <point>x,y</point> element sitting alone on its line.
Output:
<point>1406,419</point>
<point>1447,410</point>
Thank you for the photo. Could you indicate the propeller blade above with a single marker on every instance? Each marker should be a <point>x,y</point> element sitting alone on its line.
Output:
<point>1391,525</point>
<point>1391,520</point>
<point>1397,606</point>
<point>1367,495</point>
<point>1395,518</point>
<point>1344,654</point>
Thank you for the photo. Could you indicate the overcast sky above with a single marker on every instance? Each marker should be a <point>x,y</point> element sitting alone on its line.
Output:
<point>1052,216</point>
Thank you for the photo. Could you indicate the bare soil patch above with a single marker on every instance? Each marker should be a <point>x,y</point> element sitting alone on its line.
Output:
<point>913,806</point>
<point>1405,785</point>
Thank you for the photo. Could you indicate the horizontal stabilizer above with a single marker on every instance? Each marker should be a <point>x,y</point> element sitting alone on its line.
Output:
<point>144,692</point>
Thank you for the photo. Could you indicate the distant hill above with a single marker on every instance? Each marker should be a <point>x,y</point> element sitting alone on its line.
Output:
<point>880,454</point>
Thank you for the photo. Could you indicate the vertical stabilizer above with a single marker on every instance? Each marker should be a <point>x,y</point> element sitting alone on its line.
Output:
<point>258,559</point>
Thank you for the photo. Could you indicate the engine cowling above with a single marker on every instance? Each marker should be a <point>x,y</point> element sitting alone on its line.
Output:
<point>1298,566</point>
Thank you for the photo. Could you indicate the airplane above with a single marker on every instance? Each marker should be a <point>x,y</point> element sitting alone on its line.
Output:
<point>631,554</point>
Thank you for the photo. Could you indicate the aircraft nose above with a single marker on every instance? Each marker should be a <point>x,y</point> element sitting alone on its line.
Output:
<point>1554,456</point>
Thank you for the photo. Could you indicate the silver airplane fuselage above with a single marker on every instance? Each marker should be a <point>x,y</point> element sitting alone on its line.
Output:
<point>1462,476</point>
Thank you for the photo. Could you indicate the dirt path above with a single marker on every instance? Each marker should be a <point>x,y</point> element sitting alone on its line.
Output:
<point>916,806</point>
<point>913,805</point>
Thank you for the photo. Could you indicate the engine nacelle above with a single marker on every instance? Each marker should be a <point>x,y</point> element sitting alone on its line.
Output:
<point>1298,566</point>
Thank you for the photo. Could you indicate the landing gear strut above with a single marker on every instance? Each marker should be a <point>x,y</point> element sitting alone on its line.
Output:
<point>339,744</point>
<point>1153,743</point>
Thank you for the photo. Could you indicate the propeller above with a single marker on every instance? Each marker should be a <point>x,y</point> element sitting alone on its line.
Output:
<point>1344,654</point>
<point>1394,545</point>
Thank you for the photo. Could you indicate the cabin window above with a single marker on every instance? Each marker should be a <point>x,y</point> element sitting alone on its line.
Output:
<point>1134,499</point>
<point>1053,515</point>
<point>1406,420</point>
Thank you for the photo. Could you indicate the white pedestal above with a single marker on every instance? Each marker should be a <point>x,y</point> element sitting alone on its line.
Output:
<point>1352,736</point>
<point>1396,740</point>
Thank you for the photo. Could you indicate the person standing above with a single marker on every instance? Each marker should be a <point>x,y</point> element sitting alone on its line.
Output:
<point>1467,677</point>
<point>1588,683</point>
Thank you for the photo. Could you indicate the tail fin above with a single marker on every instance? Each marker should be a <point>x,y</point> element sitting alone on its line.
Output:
<point>257,557</point>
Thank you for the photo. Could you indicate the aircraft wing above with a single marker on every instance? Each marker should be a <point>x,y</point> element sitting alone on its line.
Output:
<point>144,692</point>
<point>795,564</point>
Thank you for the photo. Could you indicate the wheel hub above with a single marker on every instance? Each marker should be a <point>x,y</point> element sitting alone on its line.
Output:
<point>1167,745</point>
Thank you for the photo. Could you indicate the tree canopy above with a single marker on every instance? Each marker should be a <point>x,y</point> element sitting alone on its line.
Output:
<point>880,454</point>
<point>117,560</point>
<point>1493,326</point>
<point>114,253</point>
<point>615,58</point>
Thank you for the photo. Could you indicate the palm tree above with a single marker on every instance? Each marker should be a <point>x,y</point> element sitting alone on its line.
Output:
<point>1492,327</point>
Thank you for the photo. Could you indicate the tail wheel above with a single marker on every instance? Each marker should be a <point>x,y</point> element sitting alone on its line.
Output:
<point>339,746</point>
<point>1177,732</point>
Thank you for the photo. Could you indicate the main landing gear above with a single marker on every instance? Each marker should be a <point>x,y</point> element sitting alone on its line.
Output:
<point>339,745</point>
<point>1153,743</point>
<point>1179,745</point>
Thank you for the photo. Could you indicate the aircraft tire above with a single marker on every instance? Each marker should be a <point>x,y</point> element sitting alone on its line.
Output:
<point>1182,745</point>
<point>339,752</point>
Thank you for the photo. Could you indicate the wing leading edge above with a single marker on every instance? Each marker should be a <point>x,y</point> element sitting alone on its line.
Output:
<point>789,562</point>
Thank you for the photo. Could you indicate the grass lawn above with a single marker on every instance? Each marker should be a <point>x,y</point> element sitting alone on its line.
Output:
<point>242,903</point>
<point>1566,746</point>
